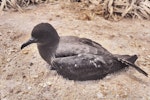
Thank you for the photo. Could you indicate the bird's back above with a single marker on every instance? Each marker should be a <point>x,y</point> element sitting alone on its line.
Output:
<point>71,45</point>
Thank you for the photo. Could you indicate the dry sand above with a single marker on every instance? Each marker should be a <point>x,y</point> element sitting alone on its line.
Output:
<point>25,76</point>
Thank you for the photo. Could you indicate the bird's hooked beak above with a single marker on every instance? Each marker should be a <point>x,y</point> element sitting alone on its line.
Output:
<point>30,41</point>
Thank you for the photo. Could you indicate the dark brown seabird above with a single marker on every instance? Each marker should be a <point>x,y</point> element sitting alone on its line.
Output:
<point>77,58</point>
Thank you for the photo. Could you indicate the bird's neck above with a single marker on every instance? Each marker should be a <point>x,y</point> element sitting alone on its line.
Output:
<point>47,52</point>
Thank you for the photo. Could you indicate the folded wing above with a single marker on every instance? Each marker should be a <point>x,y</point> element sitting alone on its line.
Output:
<point>86,66</point>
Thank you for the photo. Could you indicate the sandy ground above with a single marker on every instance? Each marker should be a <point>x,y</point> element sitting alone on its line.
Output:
<point>24,75</point>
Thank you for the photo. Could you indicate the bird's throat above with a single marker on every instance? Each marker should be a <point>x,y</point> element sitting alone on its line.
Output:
<point>47,52</point>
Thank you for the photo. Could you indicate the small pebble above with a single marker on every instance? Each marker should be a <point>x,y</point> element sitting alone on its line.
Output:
<point>95,2</point>
<point>108,77</point>
<point>100,95</point>
<point>31,64</point>
<point>8,60</point>
<point>49,83</point>
<point>143,49</point>
<point>25,52</point>
<point>43,84</point>
<point>35,76</point>
<point>29,87</point>
<point>0,34</point>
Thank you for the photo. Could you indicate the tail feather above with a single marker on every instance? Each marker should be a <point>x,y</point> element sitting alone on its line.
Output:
<point>132,65</point>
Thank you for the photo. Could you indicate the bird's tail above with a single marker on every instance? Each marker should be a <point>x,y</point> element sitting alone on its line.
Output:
<point>130,62</point>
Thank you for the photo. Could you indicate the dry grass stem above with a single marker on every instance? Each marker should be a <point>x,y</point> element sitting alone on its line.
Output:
<point>110,9</point>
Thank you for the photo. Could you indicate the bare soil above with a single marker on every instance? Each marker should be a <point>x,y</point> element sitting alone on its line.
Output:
<point>25,76</point>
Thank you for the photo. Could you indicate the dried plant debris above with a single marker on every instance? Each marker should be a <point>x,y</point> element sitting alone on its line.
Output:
<point>110,9</point>
<point>118,9</point>
<point>17,4</point>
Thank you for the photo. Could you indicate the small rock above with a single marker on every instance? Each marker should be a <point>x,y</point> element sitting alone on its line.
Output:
<point>49,83</point>
<point>117,95</point>
<point>100,95</point>
<point>143,49</point>
<point>29,87</point>
<point>9,53</point>
<point>0,34</point>
<point>124,95</point>
<point>31,64</point>
<point>96,2</point>
<point>148,56</point>
<point>57,15</point>
<point>43,84</point>
<point>12,50</point>
<point>35,76</point>
<point>108,77</point>
<point>23,76</point>
<point>106,88</point>
<point>25,52</point>
<point>144,85</point>
<point>8,60</point>
<point>18,91</point>
<point>4,99</point>
<point>9,76</point>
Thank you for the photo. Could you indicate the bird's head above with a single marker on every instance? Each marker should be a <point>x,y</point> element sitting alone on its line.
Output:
<point>43,34</point>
